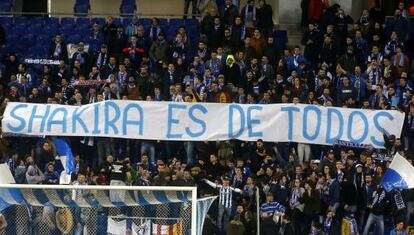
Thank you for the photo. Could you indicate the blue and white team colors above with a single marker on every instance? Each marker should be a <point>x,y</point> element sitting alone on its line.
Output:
<point>400,174</point>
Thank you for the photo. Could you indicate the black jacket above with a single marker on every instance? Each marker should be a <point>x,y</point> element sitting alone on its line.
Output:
<point>265,17</point>
<point>312,202</point>
<point>63,54</point>
<point>232,74</point>
<point>214,36</point>
<point>228,14</point>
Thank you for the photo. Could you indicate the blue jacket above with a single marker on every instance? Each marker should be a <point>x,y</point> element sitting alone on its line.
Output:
<point>291,61</point>
<point>51,178</point>
<point>363,87</point>
<point>394,232</point>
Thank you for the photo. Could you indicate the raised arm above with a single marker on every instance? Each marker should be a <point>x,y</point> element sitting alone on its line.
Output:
<point>212,184</point>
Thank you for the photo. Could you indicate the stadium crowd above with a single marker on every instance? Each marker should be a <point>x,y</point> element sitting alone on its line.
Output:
<point>303,188</point>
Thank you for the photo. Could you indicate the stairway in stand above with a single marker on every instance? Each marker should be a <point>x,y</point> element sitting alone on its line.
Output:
<point>294,31</point>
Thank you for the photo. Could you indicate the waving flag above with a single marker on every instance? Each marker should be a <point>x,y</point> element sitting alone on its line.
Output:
<point>400,174</point>
<point>65,152</point>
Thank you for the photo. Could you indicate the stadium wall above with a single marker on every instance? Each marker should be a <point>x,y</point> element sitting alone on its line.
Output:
<point>158,7</point>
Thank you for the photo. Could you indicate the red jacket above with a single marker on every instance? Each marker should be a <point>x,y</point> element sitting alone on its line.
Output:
<point>315,10</point>
<point>137,50</point>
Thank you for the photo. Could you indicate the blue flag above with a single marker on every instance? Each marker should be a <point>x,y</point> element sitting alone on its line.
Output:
<point>63,149</point>
<point>400,174</point>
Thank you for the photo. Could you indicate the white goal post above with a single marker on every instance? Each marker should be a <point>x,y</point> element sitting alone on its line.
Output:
<point>134,197</point>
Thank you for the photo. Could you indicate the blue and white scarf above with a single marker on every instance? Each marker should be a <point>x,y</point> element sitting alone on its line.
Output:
<point>248,9</point>
<point>401,62</point>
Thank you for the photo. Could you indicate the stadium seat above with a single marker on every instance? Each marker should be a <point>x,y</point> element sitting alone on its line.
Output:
<point>5,6</point>
<point>176,22</point>
<point>37,20</point>
<point>117,21</point>
<point>74,38</point>
<point>83,22</point>
<point>20,20</point>
<point>191,22</point>
<point>67,21</point>
<point>6,20</point>
<point>6,26</point>
<point>145,22</point>
<point>66,31</point>
<point>100,21</point>
<point>83,29</point>
<point>43,39</point>
<point>126,21</point>
<point>52,21</point>
<point>163,22</point>
<point>52,29</point>
<point>35,29</point>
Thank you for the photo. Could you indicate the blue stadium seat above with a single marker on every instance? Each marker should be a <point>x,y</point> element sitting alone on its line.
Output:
<point>117,21</point>
<point>75,38</point>
<point>52,21</point>
<point>85,39</point>
<point>37,20</point>
<point>126,21</point>
<point>28,37</point>
<point>20,26</point>
<point>6,20</point>
<point>67,21</point>
<point>30,55</point>
<point>19,48</point>
<point>77,31</point>
<point>35,29</point>
<point>100,21</point>
<point>83,21</point>
<point>12,38</point>
<point>66,29</point>
<point>83,29</point>
<point>5,6</point>
<point>52,29</point>
<point>6,26</point>
<point>191,22</point>
<point>145,22</point>
<point>173,28</point>
<point>163,22</point>
<point>43,39</point>
<point>20,20</point>
<point>5,50</point>
<point>170,34</point>
<point>176,22</point>
<point>17,31</point>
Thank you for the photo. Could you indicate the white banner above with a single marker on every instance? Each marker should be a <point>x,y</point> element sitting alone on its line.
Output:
<point>204,121</point>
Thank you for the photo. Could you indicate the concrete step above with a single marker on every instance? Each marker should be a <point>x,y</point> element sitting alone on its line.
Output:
<point>294,33</point>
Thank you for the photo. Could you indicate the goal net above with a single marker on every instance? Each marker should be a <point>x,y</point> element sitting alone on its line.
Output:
<point>116,210</point>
